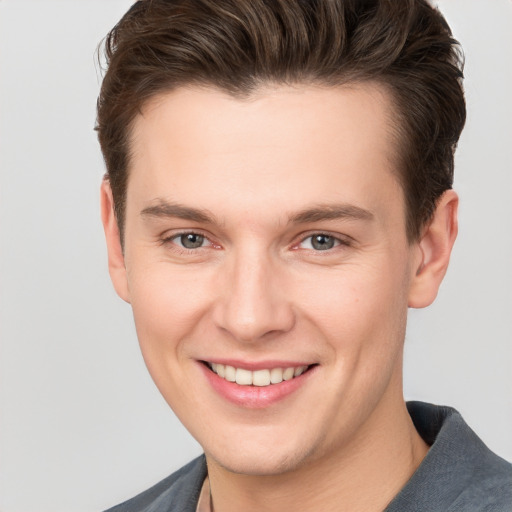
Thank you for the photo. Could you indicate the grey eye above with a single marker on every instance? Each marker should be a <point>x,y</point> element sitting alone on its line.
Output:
<point>191,240</point>
<point>322,242</point>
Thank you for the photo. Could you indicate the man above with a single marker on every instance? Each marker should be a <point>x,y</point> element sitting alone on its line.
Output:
<point>278,194</point>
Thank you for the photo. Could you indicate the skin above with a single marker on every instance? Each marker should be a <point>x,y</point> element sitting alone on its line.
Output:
<point>258,290</point>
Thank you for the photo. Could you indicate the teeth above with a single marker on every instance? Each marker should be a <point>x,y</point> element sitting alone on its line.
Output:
<point>257,378</point>
<point>229,373</point>
<point>261,378</point>
<point>299,371</point>
<point>288,373</point>
<point>243,377</point>
<point>276,375</point>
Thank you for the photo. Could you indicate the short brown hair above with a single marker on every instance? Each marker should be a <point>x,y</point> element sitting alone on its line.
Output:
<point>238,45</point>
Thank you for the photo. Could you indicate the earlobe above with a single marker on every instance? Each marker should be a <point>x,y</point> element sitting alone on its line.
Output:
<point>434,250</point>
<point>116,263</point>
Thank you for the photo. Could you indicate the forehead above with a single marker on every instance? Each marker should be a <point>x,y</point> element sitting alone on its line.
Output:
<point>281,146</point>
<point>270,115</point>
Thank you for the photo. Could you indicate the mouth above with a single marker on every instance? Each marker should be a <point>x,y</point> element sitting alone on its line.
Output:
<point>259,378</point>
<point>257,385</point>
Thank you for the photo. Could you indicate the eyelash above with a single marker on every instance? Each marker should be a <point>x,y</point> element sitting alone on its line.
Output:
<point>338,241</point>
<point>171,241</point>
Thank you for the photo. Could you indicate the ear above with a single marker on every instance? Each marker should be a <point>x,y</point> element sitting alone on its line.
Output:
<point>116,265</point>
<point>433,251</point>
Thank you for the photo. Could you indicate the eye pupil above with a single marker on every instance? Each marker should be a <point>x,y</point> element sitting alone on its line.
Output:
<point>322,242</point>
<point>191,240</point>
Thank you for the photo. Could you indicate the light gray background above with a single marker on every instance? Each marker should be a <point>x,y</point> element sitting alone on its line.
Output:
<point>82,427</point>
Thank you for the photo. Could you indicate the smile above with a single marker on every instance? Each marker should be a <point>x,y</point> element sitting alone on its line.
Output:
<point>261,378</point>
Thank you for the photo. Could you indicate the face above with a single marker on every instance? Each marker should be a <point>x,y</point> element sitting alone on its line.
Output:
<point>265,244</point>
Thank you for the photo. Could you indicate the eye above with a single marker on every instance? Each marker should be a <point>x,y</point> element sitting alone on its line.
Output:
<point>190,240</point>
<point>320,242</point>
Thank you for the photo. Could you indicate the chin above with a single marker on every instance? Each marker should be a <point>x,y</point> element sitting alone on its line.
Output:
<point>257,465</point>
<point>263,459</point>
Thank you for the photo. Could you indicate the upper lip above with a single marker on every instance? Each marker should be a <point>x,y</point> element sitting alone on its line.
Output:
<point>258,365</point>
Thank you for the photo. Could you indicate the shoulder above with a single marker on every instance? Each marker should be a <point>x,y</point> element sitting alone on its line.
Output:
<point>178,492</point>
<point>488,480</point>
<point>459,472</point>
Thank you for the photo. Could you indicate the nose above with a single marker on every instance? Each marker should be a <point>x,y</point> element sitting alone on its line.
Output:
<point>253,304</point>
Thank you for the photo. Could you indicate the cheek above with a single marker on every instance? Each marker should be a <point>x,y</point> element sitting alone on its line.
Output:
<point>359,309</point>
<point>167,306</point>
<point>358,290</point>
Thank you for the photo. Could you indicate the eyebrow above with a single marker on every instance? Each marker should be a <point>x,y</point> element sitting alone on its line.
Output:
<point>331,212</point>
<point>165,209</point>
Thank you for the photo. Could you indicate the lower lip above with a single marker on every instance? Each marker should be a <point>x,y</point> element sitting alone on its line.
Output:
<point>255,397</point>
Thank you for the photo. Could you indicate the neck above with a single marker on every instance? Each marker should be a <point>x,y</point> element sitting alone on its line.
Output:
<point>363,475</point>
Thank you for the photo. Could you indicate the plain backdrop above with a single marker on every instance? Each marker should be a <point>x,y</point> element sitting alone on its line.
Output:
<point>82,426</point>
